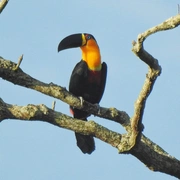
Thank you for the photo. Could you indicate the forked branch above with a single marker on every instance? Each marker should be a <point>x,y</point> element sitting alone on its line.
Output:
<point>154,71</point>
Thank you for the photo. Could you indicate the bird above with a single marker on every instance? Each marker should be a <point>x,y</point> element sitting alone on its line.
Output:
<point>88,80</point>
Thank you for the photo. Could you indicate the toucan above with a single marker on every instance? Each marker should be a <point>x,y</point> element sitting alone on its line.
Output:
<point>88,80</point>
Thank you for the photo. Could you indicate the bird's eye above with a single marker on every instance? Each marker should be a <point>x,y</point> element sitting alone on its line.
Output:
<point>88,37</point>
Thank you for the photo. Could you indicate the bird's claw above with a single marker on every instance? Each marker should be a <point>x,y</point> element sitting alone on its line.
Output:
<point>98,107</point>
<point>81,100</point>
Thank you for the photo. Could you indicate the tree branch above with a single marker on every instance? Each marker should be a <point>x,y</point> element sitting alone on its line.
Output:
<point>146,151</point>
<point>43,113</point>
<point>155,158</point>
<point>8,72</point>
<point>153,72</point>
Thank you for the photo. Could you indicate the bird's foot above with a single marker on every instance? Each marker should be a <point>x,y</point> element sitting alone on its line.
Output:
<point>98,107</point>
<point>81,100</point>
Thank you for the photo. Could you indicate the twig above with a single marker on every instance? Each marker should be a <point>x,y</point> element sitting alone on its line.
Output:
<point>170,23</point>
<point>19,62</point>
<point>3,4</point>
<point>53,105</point>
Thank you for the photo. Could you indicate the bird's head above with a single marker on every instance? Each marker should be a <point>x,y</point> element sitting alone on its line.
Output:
<point>88,45</point>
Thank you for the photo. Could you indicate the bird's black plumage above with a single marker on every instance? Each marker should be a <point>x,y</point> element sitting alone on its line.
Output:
<point>88,80</point>
<point>90,89</point>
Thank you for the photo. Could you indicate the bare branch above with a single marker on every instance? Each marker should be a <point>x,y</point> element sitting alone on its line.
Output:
<point>20,78</point>
<point>152,152</point>
<point>153,72</point>
<point>170,23</point>
<point>43,113</point>
<point>136,120</point>
<point>146,151</point>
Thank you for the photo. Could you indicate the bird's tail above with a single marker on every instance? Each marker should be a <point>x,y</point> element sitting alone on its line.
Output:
<point>84,142</point>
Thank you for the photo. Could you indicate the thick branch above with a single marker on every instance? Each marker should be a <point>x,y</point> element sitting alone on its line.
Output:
<point>43,113</point>
<point>9,72</point>
<point>146,151</point>
<point>155,158</point>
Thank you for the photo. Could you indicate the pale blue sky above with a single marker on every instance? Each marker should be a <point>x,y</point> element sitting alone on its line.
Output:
<point>40,151</point>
